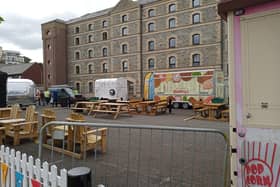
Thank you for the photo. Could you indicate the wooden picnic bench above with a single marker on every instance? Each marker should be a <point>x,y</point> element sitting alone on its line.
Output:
<point>159,107</point>
<point>83,106</point>
<point>111,108</point>
<point>225,115</point>
<point>210,111</point>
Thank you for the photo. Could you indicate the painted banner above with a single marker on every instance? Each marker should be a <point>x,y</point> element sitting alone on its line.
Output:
<point>19,179</point>
<point>147,85</point>
<point>262,164</point>
<point>196,83</point>
<point>4,172</point>
<point>35,183</point>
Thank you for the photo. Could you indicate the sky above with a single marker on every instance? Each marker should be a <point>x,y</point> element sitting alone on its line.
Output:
<point>21,30</point>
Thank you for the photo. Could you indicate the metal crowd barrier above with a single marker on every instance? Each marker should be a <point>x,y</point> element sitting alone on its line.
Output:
<point>147,156</point>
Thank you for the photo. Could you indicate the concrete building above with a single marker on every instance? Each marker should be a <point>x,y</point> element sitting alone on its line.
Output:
<point>11,57</point>
<point>132,39</point>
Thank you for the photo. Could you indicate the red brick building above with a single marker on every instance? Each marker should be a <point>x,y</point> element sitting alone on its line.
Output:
<point>33,71</point>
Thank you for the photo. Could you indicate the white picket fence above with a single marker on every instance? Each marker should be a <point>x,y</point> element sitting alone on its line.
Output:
<point>17,162</point>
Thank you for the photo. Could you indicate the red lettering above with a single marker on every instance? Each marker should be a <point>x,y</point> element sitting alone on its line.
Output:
<point>259,180</point>
<point>260,168</point>
<point>248,169</point>
<point>253,179</point>
<point>266,180</point>
<point>254,169</point>
<point>248,180</point>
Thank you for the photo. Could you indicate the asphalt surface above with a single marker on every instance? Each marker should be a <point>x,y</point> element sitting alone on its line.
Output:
<point>148,157</point>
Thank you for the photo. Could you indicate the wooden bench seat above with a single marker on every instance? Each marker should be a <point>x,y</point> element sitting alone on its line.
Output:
<point>105,111</point>
<point>80,109</point>
<point>159,107</point>
<point>202,112</point>
<point>225,115</point>
<point>2,135</point>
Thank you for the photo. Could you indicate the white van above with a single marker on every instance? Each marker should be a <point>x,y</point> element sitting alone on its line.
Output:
<point>20,91</point>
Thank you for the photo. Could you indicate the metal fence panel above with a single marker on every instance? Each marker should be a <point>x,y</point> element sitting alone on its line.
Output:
<point>142,155</point>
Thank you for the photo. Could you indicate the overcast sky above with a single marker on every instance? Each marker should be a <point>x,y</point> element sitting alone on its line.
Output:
<point>21,29</point>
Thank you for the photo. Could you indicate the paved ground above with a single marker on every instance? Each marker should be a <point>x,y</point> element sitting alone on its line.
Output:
<point>150,157</point>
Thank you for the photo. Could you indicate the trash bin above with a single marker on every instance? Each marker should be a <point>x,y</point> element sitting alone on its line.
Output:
<point>79,176</point>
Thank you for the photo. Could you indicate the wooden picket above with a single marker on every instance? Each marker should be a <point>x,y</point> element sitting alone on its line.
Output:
<point>18,162</point>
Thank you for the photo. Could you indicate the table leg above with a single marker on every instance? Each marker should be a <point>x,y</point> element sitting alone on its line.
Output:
<point>118,112</point>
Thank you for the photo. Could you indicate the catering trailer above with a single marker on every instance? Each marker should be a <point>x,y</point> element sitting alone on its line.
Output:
<point>254,63</point>
<point>113,88</point>
<point>200,84</point>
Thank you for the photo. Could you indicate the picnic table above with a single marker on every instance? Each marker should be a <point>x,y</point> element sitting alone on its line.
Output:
<point>112,108</point>
<point>152,107</point>
<point>7,122</point>
<point>214,110</point>
<point>5,112</point>
<point>86,106</point>
<point>144,105</point>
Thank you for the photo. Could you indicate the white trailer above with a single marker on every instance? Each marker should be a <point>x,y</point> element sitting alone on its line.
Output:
<point>112,88</point>
<point>20,91</point>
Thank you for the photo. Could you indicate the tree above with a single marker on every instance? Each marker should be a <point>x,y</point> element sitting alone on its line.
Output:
<point>1,19</point>
<point>26,59</point>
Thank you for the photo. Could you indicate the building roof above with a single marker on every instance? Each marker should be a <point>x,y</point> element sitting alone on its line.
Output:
<point>142,2</point>
<point>226,6</point>
<point>102,12</point>
<point>15,69</point>
<point>89,15</point>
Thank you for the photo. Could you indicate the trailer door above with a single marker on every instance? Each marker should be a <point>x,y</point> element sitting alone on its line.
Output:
<point>260,36</point>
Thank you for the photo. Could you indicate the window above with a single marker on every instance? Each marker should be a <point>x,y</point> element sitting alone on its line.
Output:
<point>124,18</point>
<point>90,38</point>
<point>172,23</point>
<point>77,41</point>
<point>195,3</point>
<point>151,45</point>
<point>49,62</point>
<point>49,46</point>
<point>90,53</point>
<point>124,66</point>
<point>172,8</point>
<point>172,62</point>
<point>77,69</point>
<point>104,36</point>
<point>151,63</point>
<point>77,55</point>
<point>105,24</point>
<point>78,87</point>
<point>105,68</point>
<point>48,32</point>
<point>172,42</point>
<point>90,27</point>
<point>151,13</point>
<point>196,18</point>
<point>49,77</point>
<point>196,60</point>
<point>151,27</point>
<point>124,48</point>
<point>196,39</point>
<point>90,70</point>
<point>90,87</point>
<point>124,31</point>
<point>77,30</point>
<point>105,51</point>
